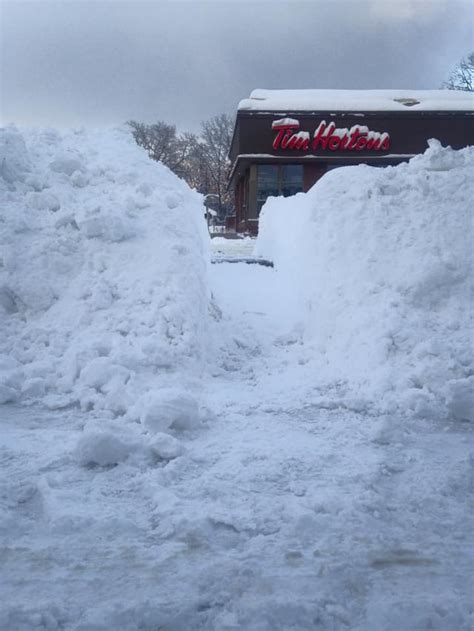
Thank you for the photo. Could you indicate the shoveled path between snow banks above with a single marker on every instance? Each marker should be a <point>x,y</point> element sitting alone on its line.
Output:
<point>376,507</point>
<point>286,511</point>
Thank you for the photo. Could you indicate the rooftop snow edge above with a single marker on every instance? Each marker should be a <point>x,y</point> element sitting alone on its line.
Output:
<point>358,100</point>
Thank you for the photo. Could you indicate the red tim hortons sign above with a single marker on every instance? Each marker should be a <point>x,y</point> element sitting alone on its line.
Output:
<point>327,137</point>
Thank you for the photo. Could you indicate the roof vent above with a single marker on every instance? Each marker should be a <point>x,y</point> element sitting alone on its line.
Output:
<point>407,102</point>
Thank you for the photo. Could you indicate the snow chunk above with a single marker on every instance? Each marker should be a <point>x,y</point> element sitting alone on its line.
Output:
<point>7,300</point>
<point>101,448</point>
<point>33,387</point>
<point>79,179</point>
<point>100,371</point>
<point>43,201</point>
<point>169,408</point>
<point>7,394</point>
<point>166,447</point>
<point>107,227</point>
<point>66,164</point>
<point>460,399</point>
<point>14,160</point>
<point>11,378</point>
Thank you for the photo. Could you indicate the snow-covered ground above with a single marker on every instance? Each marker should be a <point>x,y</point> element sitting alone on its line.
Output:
<point>222,248</point>
<point>274,505</point>
<point>279,514</point>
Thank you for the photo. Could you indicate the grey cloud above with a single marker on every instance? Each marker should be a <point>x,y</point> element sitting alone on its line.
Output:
<point>101,63</point>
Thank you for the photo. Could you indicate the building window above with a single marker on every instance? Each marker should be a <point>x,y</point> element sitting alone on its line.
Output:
<point>274,180</point>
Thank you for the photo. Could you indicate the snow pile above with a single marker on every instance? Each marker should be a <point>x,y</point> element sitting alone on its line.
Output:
<point>105,444</point>
<point>103,274</point>
<point>380,263</point>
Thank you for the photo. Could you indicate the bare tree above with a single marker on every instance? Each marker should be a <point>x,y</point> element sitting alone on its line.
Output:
<point>187,163</point>
<point>201,161</point>
<point>158,139</point>
<point>216,137</point>
<point>462,77</point>
<point>164,145</point>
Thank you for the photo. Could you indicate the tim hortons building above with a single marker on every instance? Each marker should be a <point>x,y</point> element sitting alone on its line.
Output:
<point>285,140</point>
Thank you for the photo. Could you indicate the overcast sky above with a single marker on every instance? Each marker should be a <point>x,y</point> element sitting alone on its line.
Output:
<point>104,62</point>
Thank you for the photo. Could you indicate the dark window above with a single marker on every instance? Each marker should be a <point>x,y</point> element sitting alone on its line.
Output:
<point>274,180</point>
<point>291,179</point>
<point>267,183</point>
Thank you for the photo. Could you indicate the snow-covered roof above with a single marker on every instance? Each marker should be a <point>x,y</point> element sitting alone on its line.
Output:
<point>358,100</point>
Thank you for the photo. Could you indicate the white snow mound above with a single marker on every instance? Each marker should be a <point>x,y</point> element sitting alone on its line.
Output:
<point>103,271</point>
<point>379,261</point>
<point>102,448</point>
<point>168,408</point>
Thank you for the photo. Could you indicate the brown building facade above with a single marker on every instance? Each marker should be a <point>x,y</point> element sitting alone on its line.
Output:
<point>284,141</point>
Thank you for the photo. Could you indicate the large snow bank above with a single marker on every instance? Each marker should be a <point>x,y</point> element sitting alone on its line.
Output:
<point>103,272</point>
<point>380,262</point>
